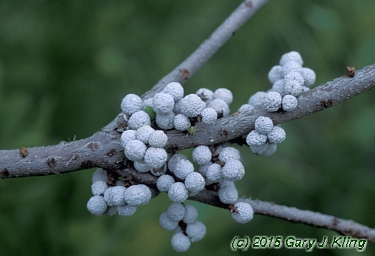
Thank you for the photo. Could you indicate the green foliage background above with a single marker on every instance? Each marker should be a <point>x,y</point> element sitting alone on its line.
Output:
<point>65,66</point>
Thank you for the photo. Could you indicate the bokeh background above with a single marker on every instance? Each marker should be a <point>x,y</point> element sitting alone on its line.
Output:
<point>65,66</point>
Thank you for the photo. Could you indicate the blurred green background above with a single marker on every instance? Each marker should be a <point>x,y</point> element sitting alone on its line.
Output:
<point>65,66</point>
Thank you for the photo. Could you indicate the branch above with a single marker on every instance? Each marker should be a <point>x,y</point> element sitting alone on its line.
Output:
<point>210,46</point>
<point>292,214</point>
<point>238,124</point>
<point>104,150</point>
<point>207,49</point>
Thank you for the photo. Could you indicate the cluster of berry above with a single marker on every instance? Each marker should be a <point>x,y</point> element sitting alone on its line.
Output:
<point>115,199</point>
<point>289,80</point>
<point>218,166</point>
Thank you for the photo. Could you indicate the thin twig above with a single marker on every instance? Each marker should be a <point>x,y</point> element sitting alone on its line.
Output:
<point>292,214</point>
<point>210,46</point>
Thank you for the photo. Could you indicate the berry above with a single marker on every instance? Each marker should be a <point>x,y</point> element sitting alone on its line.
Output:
<point>220,106</point>
<point>275,74</point>
<point>291,56</point>
<point>291,66</point>
<point>227,192</point>
<point>115,196</point>
<point>294,76</point>
<point>246,108</point>
<point>143,133</point>
<point>142,167</point>
<point>202,155</point>
<point>175,158</point>
<point>96,205</point>
<point>135,150</point>
<point>293,88</point>
<point>214,173</point>
<point>183,168</point>
<point>174,89</point>
<point>196,231</point>
<point>111,210</point>
<point>165,121</point>
<point>99,187</point>
<point>224,94</point>
<point>166,222</point>
<point>255,138</point>
<point>181,122</point>
<point>176,211</point>
<point>289,103</point>
<point>278,86</point>
<point>130,104</point>
<point>139,119</point>
<point>192,105</point>
<point>155,157</point>
<point>137,195</point>
<point>126,210</point>
<point>99,174</point>
<point>233,170</point>
<point>202,169</point>
<point>127,136</point>
<point>163,103</point>
<point>272,101</point>
<point>194,182</point>
<point>177,192</point>
<point>256,100</point>
<point>242,212</point>
<point>309,76</point>
<point>180,242</point>
<point>277,135</point>
<point>157,139</point>
<point>164,182</point>
<point>270,150</point>
<point>263,125</point>
<point>259,149</point>
<point>209,115</point>
<point>191,214</point>
<point>205,94</point>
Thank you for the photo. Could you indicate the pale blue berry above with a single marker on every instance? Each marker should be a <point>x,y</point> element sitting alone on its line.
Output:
<point>96,205</point>
<point>137,195</point>
<point>202,155</point>
<point>166,222</point>
<point>196,231</point>
<point>194,182</point>
<point>191,214</point>
<point>176,211</point>
<point>242,212</point>
<point>99,187</point>
<point>180,242</point>
<point>131,103</point>
<point>164,182</point>
<point>178,193</point>
<point>126,210</point>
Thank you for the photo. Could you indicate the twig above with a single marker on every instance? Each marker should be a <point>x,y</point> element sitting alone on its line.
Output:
<point>292,214</point>
<point>210,46</point>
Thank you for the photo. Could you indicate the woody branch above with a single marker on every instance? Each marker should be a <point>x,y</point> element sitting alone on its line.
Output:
<point>103,149</point>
